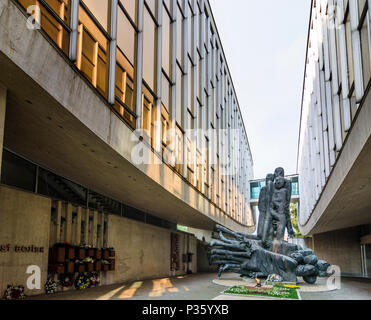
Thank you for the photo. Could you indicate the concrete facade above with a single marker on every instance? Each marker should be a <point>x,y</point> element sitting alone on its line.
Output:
<point>335,132</point>
<point>24,222</point>
<point>341,248</point>
<point>142,251</point>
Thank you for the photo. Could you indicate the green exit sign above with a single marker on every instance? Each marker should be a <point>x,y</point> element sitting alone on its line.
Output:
<point>182,228</point>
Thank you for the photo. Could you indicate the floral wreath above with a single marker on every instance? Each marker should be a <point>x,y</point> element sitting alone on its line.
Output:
<point>273,278</point>
<point>94,279</point>
<point>82,281</point>
<point>14,293</point>
<point>66,280</point>
<point>51,286</point>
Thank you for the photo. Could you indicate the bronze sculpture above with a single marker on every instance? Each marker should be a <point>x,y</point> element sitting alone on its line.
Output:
<point>267,253</point>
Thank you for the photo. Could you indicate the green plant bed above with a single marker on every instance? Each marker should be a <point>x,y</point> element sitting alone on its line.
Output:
<point>278,291</point>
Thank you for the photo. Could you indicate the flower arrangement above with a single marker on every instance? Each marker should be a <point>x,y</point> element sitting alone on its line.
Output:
<point>276,291</point>
<point>291,286</point>
<point>94,279</point>
<point>273,278</point>
<point>66,281</point>
<point>88,260</point>
<point>85,246</point>
<point>14,293</point>
<point>51,286</point>
<point>82,281</point>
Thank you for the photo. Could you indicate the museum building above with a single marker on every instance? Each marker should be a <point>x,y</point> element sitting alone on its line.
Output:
<point>334,158</point>
<point>82,84</point>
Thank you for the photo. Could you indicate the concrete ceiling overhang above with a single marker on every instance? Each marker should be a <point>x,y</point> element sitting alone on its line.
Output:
<point>56,119</point>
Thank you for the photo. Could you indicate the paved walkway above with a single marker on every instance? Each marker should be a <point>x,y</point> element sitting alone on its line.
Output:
<point>198,287</point>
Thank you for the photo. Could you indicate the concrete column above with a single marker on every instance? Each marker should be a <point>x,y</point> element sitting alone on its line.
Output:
<point>139,64</point>
<point>112,52</point>
<point>186,124</point>
<point>203,97</point>
<point>85,217</point>
<point>195,85</point>
<point>158,126</point>
<point>100,234</point>
<point>3,94</point>
<point>78,227</point>
<point>74,29</point>
<point>105,235</point>
<point>93,235</point>
<point>59,219</point>
<point>356,46</point>
<point>69,223</point>
<point>172,113</point>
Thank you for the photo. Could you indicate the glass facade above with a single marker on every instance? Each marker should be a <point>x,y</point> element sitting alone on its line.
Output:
<point>337,79</point>
<point>22,174</point>
<point>256,186</point>
<point>169,67</point>
<point>54,19</point>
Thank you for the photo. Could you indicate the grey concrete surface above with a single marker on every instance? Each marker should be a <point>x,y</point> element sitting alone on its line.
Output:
<point>351,289</point>
<point>198,287</point>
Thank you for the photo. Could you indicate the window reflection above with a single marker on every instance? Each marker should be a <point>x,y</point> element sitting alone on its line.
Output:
<point>92,51</point>
<point>53,28</point>
<point>99,9</point>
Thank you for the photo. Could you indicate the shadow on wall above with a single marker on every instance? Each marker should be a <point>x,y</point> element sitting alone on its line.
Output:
<point>203,264</point>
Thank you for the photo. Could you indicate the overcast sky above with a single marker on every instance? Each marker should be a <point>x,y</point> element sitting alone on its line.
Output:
<point>265,45</point>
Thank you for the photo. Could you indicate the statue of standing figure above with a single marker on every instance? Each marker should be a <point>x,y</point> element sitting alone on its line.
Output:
<point>274,209</point>
<point>267,252</point>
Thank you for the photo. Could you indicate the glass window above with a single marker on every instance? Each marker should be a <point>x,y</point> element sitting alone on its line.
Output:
<point>92,51</point>
<point>199,171</point>
<point>361,6</point>
<point>149,56</point>
<point>190,31</point>
<point>368,259</point>
<point>17,172</point>
<point>125,90</point>
<point>179,94</point>
<point>104,204</point>
<point>152,4</point>
<point>295,186</point>
<point>206,166</point>
<point>212,177</point>
<point>134,214</point>
<point>180,38</point>
<point>255,190</point>
<point>166,40</point>
<point>125,36</point>
<point>165,126</point>
<point>166,89</point>
<point>130,7</point>
<point>147,113</point>
<point>50,24</point>
<point>365,53</point>
<point>179,150</point>
<point>190,86</point>
<point>349,51</point>
<point>99,9</point>
<point>56,187</point>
